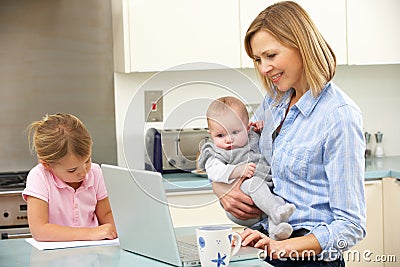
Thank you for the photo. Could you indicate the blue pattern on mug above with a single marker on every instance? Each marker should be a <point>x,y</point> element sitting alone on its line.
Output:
<point>220,260</point>
<point>202,242</point>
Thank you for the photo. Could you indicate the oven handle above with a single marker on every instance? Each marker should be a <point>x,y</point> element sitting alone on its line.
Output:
<point>15,236</point>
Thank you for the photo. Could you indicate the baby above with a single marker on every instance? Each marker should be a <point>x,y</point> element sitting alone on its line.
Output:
<point>234,153</point>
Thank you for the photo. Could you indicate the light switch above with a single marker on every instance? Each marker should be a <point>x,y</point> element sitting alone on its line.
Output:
<point>153,106</point>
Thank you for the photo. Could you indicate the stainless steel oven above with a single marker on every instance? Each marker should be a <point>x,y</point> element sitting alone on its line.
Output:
<point>13,209</point>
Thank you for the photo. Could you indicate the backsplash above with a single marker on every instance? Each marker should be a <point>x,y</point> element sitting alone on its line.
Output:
<point>373,88</point>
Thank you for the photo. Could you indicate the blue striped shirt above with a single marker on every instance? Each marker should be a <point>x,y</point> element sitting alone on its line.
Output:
<point>317,163</point>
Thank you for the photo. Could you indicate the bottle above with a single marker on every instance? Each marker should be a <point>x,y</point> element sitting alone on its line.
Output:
<point>379,153</point>
<point>368,151</point>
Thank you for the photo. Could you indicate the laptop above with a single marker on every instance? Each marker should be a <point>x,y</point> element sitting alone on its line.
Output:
<point>143,219</point>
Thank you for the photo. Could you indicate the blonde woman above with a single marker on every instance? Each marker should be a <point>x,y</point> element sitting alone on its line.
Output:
<point>317,159</point>
<point>66,195</point>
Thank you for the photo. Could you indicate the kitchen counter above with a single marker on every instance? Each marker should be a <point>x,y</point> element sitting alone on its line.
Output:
<point>18,252</point>
<point>376,168</point>
<point>178,182</point>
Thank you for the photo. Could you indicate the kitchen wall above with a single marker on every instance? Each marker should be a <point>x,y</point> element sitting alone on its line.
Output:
<point>55,56</point>
<point>374,88</point>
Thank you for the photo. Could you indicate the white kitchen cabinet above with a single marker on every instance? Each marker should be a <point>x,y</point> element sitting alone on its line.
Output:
<point>373,242</point>
<point>193,208</point>
<point>249,9</point>
<point>328,15</point>
<point>391,215</point>
<point>151,35</point>
<point>373,33</point>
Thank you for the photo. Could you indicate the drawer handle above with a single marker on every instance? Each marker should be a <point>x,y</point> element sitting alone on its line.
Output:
<point>370,182</point>
<point>14,236</point>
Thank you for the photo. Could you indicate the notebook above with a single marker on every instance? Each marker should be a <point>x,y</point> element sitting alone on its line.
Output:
<point>143,219</point>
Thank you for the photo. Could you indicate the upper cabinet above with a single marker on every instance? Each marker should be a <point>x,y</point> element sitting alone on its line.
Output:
<point>330,18</point>
<point>249,9</point>
<point>328,15</point>
<point>159,35</point>
<point>152,35</point>
<point>373,34</point>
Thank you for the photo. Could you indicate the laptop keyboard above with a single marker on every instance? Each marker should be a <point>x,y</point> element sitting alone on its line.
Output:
<point>187,250</point>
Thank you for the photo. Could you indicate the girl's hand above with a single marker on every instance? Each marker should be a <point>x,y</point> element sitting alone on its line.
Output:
<point>104,231</point>
<point>258,126</point>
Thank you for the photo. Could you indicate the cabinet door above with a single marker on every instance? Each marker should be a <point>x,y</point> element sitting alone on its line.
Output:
<point>364,253</point>
<point>164,34</point>
<point>328,15</point>
<point>373,34</point>
<point>249,9</point>
<point>391,204</point>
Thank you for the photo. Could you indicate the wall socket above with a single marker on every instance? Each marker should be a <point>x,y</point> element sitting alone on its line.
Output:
<point>153,106</point>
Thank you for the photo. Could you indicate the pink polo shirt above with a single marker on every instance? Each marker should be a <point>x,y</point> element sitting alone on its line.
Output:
<point>67,207</point>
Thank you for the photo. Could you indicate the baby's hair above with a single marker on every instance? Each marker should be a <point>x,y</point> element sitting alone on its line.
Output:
<point>226,104</point>
<point>56,135</point>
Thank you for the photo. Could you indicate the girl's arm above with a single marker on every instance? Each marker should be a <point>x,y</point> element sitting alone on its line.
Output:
<point>105,216</point>
<point>42,230</point>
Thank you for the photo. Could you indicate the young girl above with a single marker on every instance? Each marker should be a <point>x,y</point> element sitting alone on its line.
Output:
<point>66,195</point>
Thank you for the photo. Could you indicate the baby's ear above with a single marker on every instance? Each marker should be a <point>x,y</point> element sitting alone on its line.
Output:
<point>45,165</point>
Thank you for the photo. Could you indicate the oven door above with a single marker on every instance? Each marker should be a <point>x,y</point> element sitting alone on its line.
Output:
<point>13,215</point>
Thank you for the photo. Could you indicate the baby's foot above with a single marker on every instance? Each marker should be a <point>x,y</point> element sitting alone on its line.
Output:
<point>283,213</point>
<point>281,231</point>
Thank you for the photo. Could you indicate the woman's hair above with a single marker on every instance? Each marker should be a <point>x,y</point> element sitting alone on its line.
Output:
<point>226,104</point>
<point>290,24</point>
<point>57,135</point>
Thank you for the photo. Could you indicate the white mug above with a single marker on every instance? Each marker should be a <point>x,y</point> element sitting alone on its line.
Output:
<point>215,245</point>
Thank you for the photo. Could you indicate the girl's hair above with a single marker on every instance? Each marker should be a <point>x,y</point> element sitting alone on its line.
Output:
<point>227,104</point>
<point>57,135</point>
<point>290,24</point>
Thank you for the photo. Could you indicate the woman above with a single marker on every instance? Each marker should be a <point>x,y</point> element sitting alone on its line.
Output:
<point>316,138</point>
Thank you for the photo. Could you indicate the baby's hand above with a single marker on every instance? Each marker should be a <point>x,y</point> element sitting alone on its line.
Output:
<point>258,126</point>
<point>104,231</point>
<point>248,169</point>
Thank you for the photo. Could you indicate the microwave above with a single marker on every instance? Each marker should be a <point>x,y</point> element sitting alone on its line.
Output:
<point>173,150</point>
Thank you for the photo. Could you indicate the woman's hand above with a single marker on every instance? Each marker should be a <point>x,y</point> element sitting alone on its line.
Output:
<point>304,246</point>
<point>234,201</point>
<point>273,249</point>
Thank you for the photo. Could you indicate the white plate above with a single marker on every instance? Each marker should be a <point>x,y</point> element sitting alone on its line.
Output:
<point>200,173</point>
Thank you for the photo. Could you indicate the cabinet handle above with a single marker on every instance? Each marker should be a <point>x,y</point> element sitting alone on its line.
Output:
<point>14,236</point>
<point>371,182</point>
